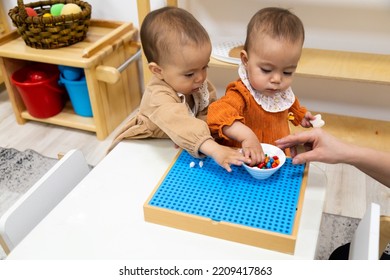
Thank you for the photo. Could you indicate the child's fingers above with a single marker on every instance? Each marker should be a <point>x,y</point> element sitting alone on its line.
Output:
<point>227,167</point>
<point>246,152</point>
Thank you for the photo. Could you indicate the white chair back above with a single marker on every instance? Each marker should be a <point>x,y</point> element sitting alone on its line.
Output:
<point>41,198</point>
<point>365,241</point>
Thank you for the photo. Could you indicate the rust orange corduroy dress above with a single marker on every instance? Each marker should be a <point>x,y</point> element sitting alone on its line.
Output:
<point>239,105</point>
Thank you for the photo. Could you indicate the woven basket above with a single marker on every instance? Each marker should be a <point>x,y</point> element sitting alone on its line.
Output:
<point>51,32</point>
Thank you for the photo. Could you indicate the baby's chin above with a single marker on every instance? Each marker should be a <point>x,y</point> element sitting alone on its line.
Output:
<point>269,93</point>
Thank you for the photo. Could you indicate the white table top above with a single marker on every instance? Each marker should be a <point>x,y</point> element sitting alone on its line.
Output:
<point>102,218</point>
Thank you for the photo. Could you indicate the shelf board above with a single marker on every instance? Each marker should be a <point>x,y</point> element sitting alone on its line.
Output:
<point>339,65</point>
<point>66,117</point>
<point>343,65</point>
<point>218,63</point>
<point>100,37</point>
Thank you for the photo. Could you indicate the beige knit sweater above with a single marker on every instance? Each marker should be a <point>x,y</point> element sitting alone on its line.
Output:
<point>163,114</point>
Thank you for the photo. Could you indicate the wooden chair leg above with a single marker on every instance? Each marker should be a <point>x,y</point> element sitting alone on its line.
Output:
<point>384,237</point>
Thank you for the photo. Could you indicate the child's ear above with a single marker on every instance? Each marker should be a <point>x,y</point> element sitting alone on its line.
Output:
<point>244,57</point>
<point>156,70</point>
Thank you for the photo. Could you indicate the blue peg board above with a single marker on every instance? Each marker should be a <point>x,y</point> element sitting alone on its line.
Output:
<point>234,197</point>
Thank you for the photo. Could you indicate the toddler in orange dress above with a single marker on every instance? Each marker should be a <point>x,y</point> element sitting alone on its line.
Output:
<point>257,107</point>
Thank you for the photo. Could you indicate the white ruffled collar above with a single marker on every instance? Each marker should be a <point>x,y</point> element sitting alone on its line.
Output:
<point>201,99</point>
<point>281,101</point>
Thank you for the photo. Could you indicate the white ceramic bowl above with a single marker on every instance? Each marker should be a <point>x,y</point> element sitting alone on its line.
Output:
<point>262,174</point>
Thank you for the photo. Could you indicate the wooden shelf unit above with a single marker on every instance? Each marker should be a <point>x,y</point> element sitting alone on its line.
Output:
<point>109,58</point>
<point>4,26</point>
<point>4,29</point>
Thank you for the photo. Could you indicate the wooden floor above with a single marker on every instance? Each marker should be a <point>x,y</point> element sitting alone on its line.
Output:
<point>349,191</point>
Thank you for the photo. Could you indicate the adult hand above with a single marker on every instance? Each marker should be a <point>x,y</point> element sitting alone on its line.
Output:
<point>319,146</point>
<point>324,147</point>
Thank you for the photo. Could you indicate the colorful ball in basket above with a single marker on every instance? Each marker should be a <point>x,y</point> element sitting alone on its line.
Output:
<point>79,96</point>
<point>271,151</point>
<point>70,8</point>
<point>38,87</point>
<point>31,12</point>
<point>60,30</point>
<point>56,9</point>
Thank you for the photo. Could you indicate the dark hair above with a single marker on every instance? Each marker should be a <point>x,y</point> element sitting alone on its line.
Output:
<point>277,23</point>
<point>168,27</point>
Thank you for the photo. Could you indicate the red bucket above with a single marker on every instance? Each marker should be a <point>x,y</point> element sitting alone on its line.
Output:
<point>38,86</point>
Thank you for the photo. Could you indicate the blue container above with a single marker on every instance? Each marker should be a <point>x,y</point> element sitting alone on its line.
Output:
<point>78,94</point>
<point>71,73</point>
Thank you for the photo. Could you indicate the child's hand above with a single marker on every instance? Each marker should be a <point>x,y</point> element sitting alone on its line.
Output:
<point>306,120</point>
<point>318,121</point>
<point>251,148</point>
<point>225,156</point>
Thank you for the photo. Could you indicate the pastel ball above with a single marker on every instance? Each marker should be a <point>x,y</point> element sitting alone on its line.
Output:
<point>56,9</point>
<point>31,12</point>
<point>70,8</point>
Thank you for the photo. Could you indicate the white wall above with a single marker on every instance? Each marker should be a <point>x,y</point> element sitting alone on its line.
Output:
<point>354,25</point>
